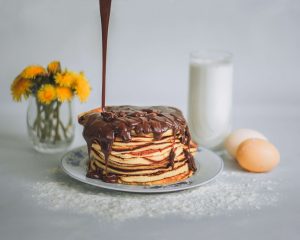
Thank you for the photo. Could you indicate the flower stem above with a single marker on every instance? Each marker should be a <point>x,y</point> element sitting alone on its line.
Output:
<point>64,129</point>
<point>57,135</point>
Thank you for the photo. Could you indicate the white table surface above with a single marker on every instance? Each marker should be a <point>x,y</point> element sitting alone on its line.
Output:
<point>22,218</point>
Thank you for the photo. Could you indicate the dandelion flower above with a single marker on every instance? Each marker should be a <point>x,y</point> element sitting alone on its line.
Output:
<point>64,94</point>
<point>33,71</point>
<point>46,94</point>
<point>65,79</point>
<point>54,67</point>
<point>20,87</point>
<point>82,87</point>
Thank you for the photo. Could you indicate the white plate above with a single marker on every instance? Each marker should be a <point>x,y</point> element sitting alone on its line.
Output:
<point>209,166</point>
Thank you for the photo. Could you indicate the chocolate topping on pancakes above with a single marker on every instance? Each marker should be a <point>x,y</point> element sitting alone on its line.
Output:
<point>122,122</point>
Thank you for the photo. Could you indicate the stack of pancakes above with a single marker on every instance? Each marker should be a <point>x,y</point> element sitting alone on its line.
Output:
<point>141,146</point>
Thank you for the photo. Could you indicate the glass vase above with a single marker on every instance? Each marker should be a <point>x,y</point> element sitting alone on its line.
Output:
<point>50,126</point>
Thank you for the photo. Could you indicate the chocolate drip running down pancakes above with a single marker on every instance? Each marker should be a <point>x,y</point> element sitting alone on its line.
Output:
<point>138,145</point>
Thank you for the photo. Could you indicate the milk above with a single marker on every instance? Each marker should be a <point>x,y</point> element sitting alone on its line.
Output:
<point>210,99</point>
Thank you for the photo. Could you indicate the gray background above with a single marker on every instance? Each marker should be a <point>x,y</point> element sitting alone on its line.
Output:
<point>149,43</point>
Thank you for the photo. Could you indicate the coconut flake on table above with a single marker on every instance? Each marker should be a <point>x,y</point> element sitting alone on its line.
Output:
<point>232,191</point>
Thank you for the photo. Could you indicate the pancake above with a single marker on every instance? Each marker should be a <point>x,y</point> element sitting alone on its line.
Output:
<point>138,145</point>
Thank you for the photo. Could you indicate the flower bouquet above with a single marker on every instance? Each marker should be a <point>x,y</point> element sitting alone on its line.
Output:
<point>49,115</point>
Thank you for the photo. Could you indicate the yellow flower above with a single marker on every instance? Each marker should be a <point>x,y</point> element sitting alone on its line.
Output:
<point>33,71</point>
<point>20,87</point>
<point>82,87</point>
<point>46,94</point>
<point>65,79</point>
<point>54,67</point>
<point>64,94</point>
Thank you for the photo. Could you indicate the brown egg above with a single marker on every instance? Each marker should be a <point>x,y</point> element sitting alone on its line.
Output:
<point>238,136</point>
<point>257,155</point>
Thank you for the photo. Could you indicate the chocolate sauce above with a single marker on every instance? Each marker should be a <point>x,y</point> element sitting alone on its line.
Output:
<point>172,158</point>
<point>105,6</point>
<point>121,121</point>
<point>106,177</point>
<point>190,160</point>
<point>104,127</point>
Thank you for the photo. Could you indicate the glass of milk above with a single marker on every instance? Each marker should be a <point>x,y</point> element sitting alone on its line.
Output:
<point>210,97</point>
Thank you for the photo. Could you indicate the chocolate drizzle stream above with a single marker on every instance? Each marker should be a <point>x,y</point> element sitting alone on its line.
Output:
<point>112,122</point>
<point>121,121</point>
<point>105,6</point>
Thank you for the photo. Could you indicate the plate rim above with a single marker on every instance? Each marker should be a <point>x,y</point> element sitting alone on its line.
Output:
<point>142,190</point>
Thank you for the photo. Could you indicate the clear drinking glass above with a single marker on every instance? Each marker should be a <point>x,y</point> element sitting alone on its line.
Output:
<point>210,97</point>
